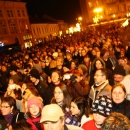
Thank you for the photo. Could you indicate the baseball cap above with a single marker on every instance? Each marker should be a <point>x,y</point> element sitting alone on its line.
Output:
<point>51,112</point>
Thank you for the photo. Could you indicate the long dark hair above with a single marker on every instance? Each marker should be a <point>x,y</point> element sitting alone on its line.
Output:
<point>67,98</point>
<point>83,106</point>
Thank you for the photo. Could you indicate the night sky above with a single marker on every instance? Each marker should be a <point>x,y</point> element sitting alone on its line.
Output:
<point>67,10</point>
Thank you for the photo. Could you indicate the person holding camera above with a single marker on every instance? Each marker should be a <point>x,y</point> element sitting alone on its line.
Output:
<point>77,85</point>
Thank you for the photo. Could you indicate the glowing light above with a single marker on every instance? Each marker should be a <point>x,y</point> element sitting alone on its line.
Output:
<point>113,15</point>
<point>80,18</point>
<point>97,10</point>
<point>125,23</point>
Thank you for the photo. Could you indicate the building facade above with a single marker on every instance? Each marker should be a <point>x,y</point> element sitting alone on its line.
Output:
<point>43,32</point>
<point>14,24</point>
<point>104,10</point>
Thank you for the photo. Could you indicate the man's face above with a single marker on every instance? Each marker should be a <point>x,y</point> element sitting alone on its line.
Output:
<point>99,77</point>
<point>118,78</point>
<point>83,52</point>
<point>33,79</point>
<point>99,119</point>
<point>49,125</point>
<point>106,55</point>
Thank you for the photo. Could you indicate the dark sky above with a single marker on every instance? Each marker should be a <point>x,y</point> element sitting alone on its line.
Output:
<point>67,10</point>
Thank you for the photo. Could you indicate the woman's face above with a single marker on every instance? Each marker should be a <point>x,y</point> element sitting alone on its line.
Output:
<point>118,95</point>
<point>98,64</point>
<point>73,65</point>
<point>74,109</point>
<point>6,109</point>
<point>58,95</point>
<point>34,110</point>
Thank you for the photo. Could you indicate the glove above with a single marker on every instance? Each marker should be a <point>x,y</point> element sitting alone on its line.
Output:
<point>73,78</point>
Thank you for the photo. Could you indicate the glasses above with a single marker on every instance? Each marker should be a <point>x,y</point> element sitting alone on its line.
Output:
<point>4,107</point>
<point>58,93</point>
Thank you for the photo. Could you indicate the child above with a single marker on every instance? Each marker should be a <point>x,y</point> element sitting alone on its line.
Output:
<point>34,106</point>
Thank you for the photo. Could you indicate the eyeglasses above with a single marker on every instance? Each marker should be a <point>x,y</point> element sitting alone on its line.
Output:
<point>4,106</point>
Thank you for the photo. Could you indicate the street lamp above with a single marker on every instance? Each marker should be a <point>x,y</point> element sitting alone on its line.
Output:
<point>97,10</point>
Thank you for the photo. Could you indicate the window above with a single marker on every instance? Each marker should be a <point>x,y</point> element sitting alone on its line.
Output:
<point>1,15</point>
<point>122,8</point>
<point>42,30</point>
<point>8,13</point>
<point>11,13</point>
<point>34,31</point>
<point>4,30</point>
<point>18,13</point>
<point>12,25</point>
<point>23,14</point>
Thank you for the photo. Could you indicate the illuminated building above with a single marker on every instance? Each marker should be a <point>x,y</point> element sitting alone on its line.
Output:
<point>14,24</point>
<point>110,10</point>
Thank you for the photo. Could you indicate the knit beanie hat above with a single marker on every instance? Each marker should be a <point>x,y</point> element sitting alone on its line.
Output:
<point>35,101</point>
<point>119,70</point>
<point>83,67</point>
<point>35,73</point>
<point>13,68</point>
<point>102,106</point>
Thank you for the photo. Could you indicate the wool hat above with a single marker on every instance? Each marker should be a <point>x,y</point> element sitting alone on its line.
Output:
<point>119,70</point>
<point>51,112</point>
<point>102,106</point>
<point>84,68</point>
<point>35,73</point>
<point>35,101</point>
<point>13,68</point>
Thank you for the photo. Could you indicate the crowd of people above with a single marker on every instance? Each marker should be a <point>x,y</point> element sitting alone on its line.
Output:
<point>77,82</point>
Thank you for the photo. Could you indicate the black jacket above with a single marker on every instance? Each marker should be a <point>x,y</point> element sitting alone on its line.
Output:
<point>123,108</point>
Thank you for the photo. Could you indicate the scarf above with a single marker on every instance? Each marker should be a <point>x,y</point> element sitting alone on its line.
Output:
<point>9,118</point>
<point>34,122</point>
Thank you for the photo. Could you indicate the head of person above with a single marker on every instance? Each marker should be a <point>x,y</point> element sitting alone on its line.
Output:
<point>116,121</point>
<point>119,73</point>
<point>21,125</point>
<point>83,69</point>
<point>34,106</point>
<point>86,58</point>
<point>79,75</point>
<point>104,53</point>
<point>52,117</point>
<point>28,90</point>
<point>59,61</point>
<point>83,52</point>
<point>61,96</point>
<point>118,93</point>
<point>13,69</point>
<point>123,61</point>
<point>98,63</point>
<point>34,75</point>
<point>101,109</point>
<point>68,56</point>
<point>55,77</point>
<point>55,55</point>
<point>100,76</point>
<point>73,64</point>
<point>8,105</point>
<point>79,107</point>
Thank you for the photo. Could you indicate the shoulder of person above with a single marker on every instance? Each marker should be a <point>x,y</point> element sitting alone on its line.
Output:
<point>72,127</point>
